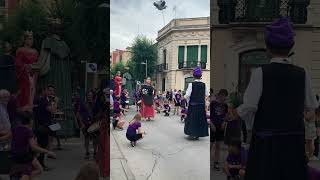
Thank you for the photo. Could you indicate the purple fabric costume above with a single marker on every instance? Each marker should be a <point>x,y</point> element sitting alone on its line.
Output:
<point>132,129</point>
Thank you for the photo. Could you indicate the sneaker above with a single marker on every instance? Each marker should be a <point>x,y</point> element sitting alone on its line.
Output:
<point>313,158</point>
<point>132,143</point>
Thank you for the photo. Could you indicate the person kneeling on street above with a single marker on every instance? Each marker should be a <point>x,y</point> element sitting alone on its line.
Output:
<point>23,149</point>
<point>134,131</point>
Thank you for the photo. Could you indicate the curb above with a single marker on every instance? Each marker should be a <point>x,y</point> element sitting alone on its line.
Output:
<point>123,160</point>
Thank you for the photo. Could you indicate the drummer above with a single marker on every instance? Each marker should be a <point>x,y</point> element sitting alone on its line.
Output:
<point>86,120</point>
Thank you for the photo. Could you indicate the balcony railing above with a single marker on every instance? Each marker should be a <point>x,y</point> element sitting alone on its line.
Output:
<point>162,67</point>
<point>192,64</point>
<point>262,10</point>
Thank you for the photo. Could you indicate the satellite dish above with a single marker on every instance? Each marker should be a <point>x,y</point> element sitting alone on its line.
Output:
<point>160,5</point>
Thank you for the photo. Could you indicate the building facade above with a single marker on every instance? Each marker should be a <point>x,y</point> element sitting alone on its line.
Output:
<point>122,56</point>
<point>238,39</point>
<point>183,44</point>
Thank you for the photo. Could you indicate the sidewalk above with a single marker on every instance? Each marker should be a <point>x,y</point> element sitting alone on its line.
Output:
<point>119,168</point>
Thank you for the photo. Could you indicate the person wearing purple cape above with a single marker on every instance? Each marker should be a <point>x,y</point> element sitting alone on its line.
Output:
<point>196,124</point>
<point>277,95</point>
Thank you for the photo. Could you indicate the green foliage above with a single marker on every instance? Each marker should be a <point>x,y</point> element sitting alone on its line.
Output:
<point>144,49</point>
<point>132,68</point>
<point>89,33</point>
<point>117,67</point>
<point>31,16</point>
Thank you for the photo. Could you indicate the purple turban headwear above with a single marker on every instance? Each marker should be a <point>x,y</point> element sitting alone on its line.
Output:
<point>197,72</point>
<point>280,34</point>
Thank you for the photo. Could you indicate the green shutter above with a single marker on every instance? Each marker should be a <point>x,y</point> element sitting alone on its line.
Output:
<point>192,56</point>
<point>181,54</point>
<point>204,53</point>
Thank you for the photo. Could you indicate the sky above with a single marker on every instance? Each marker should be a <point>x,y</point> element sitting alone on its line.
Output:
<point>130,18</point>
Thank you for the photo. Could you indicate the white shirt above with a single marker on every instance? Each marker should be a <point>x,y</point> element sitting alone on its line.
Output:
<point>111,101</point>
<point>254,91</point>
<point>189,90</point>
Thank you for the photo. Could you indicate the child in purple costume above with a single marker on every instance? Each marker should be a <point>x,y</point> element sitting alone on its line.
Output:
<point>23,149</point>
<point>134,131</point>
<point>166,107</point>
<point>233,166</point>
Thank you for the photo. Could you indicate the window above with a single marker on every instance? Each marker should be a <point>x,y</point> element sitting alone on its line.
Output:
<point>192,56</point>
<point>263,9</point>
<point>187,81</point>
<point>180,56</point>
<point>203,60</point>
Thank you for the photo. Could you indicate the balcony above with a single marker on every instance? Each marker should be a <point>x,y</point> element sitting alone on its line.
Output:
<point>162,67</point>
<point>192,64</point>
<point>243,11</point>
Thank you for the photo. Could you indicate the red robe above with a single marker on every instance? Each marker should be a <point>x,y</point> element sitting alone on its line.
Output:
<point>117,81</point>
<point>26,81</point>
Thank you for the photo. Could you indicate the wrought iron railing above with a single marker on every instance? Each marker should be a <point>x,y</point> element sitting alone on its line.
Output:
<point>162,67</point>
<point>192,64</point>
<point>262,10</point>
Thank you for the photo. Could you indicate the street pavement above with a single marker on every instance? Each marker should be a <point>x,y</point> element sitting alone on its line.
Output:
<point>165,152</point>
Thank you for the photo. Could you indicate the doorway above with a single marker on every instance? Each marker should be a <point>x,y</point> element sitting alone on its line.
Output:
<point>250,60</point>
<point>163,84</point>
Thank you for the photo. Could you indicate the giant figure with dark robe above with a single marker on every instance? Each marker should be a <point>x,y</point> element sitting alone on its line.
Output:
<point>55,69</point>
<point>128,84</point>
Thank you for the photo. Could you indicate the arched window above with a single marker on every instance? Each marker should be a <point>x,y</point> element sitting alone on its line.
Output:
<point>248,61</point>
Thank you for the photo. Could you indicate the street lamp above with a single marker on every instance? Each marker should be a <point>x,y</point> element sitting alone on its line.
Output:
<point>146,63</point>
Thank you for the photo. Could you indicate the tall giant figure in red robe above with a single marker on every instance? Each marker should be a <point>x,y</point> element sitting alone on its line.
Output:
<point>25,56</point>
<point>118,82</point>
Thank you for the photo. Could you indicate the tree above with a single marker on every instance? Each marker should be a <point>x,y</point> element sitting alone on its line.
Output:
<point>144,49</point>
<point>132,68</point>
<point>29,16</point>
<point>89,33</point>
<point>117,67</point>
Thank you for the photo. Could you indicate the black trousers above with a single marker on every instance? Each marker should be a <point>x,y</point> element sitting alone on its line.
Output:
<point>244,131</point>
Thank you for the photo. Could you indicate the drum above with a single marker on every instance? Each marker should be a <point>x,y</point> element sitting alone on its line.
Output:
<point>94,128</point>
<point>55,127</point>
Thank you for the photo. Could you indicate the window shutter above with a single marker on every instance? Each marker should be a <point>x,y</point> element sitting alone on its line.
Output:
<point>181,54</point>
<point>192,56</point>
<point>204,53</point>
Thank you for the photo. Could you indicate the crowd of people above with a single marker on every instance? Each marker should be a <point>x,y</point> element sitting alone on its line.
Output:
<point>190,106</point>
